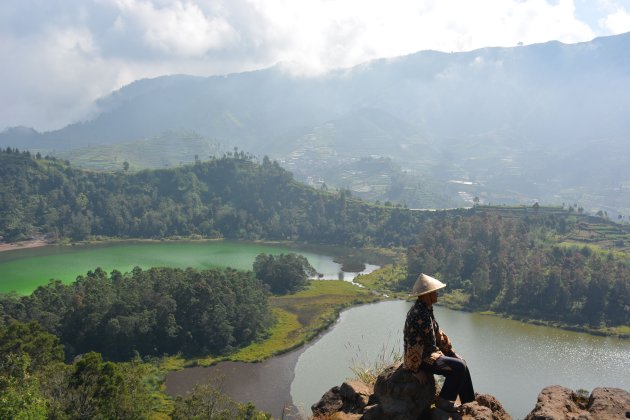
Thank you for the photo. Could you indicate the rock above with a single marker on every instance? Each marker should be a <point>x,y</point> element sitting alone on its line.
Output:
<point>485,407</point>
<point>330,402</point>
<point>350,398</point>
<point>557,402</point>
<point>609,403</point>
<point>355,395</point>
<point>400,395</point>
<point>397,395</point>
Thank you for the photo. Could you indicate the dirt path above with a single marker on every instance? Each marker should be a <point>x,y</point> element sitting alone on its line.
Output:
<point>22,245</point>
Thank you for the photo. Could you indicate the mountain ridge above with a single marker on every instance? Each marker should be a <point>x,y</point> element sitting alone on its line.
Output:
<point>483,116</point>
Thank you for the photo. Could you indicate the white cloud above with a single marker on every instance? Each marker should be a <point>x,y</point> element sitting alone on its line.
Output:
<point>64,54</point>
<point>176,28</point>
<point>617,22</point>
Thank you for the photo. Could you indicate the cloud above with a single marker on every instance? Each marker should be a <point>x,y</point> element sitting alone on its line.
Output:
<point>175,29</point>
<point>64,54</point>
<point>617,22</point>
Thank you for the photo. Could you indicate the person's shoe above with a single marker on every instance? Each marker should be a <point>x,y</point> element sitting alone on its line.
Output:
<point>448,406</point>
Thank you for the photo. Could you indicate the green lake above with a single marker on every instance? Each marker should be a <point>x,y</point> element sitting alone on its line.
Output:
<point>23,270</point>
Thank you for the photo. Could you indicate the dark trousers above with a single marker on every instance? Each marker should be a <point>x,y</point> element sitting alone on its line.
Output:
<point>457,382</point>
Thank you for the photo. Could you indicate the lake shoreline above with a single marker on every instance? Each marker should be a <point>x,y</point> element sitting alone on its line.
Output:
<point>12,246</point>
<point>541,322</point>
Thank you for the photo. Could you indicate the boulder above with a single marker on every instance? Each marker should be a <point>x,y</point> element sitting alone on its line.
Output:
<point>609,403</point>
<point>355,395</point>
<point>485,407</point>
<point>349,398</point>
<point>557,402</point>
<point>397,394</point>
<point>400,395</point>
<point>330,402</point>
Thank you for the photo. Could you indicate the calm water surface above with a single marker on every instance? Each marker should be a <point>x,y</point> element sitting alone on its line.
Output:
<point>508,359</point>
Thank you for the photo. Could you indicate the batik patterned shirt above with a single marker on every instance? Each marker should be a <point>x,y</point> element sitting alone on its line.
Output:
<point>424,340</point>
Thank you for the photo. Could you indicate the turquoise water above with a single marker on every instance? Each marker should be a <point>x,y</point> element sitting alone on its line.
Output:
<point>23,270</point>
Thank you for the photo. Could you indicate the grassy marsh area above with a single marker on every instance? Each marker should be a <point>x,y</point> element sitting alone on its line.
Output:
<point>299,318</point>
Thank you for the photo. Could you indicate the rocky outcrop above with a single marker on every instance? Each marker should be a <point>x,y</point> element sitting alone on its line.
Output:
<point>398,395</point>
<point>350,398</point>
<point>485,407</point>
<point>557,402</point>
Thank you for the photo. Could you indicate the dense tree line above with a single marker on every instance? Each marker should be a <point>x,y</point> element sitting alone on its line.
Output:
<point>231,197</point>
<point>148,312</point>
<point>284,273</point>
<point>505,264</point>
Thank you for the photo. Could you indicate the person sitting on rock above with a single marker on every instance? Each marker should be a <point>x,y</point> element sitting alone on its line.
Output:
<point>427,350</point>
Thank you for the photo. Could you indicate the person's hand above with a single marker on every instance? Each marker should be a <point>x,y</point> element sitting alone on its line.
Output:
<point>421,376</point>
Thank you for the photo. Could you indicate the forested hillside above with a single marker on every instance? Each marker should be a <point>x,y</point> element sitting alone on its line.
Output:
<point>231,197</point>
<point>499,259</point>
<point>515,265</point>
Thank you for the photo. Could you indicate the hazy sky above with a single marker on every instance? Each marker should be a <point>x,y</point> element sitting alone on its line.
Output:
<point>58,56</point>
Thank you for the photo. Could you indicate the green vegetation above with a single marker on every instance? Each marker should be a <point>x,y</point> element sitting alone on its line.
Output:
<point>284,273</point>
<point>282,336</point>
<point>220,313</point>
<point>368,371</point>
<point>385,280</point>
<point>148,312</point>
<point>35,384</point>
<point>170,149</point>
<point>495,266</point>
<point>318,306</point>
<point>231,197</point>
<point>559,267</point>
<point>299,317</point>
<point>499,263</point>
<point>206,402</point>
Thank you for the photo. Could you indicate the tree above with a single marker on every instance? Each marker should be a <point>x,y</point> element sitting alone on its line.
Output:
<point>30,339</point>
<point>20,397</point>
<point>284,273</point>
<point>105,390</point>
<point>208,403</point>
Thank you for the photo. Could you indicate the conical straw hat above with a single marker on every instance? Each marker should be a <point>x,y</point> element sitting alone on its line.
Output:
<point>425,284</point>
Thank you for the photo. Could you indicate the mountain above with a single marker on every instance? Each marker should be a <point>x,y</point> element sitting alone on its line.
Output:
<point>543,122</point>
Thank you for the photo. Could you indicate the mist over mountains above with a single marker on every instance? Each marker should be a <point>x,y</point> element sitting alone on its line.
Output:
<point>547,122</point>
